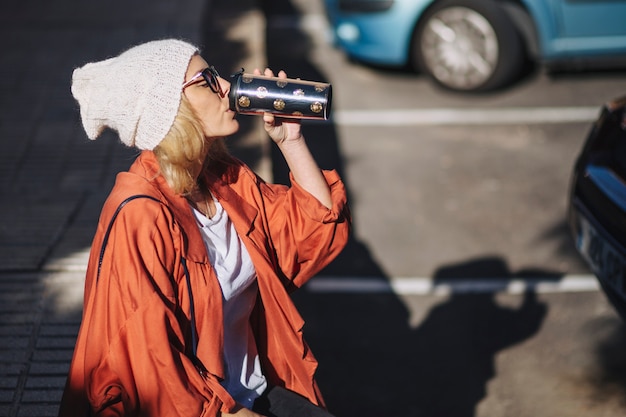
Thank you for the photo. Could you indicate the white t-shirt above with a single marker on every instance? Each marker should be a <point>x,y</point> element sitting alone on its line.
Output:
<point>237,277</point>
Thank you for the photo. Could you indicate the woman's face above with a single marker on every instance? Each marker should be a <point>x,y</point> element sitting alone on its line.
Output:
<point>212,109</point>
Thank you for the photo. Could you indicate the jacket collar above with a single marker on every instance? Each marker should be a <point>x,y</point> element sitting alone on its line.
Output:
<point>225,184</point>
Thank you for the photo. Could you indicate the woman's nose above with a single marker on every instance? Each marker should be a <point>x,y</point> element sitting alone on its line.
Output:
<point>224,86</point>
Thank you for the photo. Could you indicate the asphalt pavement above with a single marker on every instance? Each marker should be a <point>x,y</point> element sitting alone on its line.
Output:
<point>53,180</point>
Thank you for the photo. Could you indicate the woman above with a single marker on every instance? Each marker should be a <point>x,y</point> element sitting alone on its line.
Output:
<point>186,309</point>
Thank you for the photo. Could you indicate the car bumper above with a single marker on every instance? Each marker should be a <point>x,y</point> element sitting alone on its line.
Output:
<point>381,36</point>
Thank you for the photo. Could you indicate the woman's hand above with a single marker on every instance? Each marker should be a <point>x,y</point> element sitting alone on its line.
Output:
<point>287,134</point>
<point>280,130</point>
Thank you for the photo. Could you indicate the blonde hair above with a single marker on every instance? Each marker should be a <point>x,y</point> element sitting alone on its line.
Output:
<point>185,151</point>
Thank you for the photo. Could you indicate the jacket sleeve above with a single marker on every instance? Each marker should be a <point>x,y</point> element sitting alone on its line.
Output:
<point>135,360</point>
<point>307,235</point>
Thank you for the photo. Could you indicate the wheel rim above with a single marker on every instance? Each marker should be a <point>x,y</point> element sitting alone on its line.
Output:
<point>460,48</point>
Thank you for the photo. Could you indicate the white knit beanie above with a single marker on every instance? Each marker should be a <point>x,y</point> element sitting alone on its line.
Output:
<point>136,93</point>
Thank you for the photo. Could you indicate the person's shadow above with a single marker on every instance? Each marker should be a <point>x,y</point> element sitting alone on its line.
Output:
<point>456,344</point>
<point>374,363</point>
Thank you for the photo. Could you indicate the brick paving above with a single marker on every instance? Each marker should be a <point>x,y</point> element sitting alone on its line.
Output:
<point>53,180</point>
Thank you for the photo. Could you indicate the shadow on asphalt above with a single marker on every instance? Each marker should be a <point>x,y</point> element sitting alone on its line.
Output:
<point>609,379</point>
<point>376,364</point>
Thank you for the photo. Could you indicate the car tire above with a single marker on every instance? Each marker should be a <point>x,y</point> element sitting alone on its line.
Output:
<point>468,45</point>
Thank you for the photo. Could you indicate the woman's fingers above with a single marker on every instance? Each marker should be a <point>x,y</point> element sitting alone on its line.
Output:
<point>269,73</point>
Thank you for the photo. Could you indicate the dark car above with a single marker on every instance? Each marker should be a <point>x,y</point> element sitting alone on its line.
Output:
<point>597,206</point>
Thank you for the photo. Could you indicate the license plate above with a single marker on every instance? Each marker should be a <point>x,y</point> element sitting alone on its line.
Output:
<point>607,263</point>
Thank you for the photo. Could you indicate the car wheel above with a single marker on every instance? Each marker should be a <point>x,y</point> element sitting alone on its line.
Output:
<point>468,45</point>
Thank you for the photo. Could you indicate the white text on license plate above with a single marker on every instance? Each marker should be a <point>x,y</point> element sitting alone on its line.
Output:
<point>607,263</point>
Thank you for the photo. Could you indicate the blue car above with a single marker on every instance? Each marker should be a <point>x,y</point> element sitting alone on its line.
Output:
<point>478,45</point>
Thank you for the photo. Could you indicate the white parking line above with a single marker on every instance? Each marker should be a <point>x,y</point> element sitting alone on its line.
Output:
<point>452,116</point>
<point>430,286</point>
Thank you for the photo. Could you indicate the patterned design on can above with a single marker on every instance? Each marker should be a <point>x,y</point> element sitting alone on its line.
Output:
<point>246,79</point>
<point>281,83</point>
<point>243,101</point>
<point>298,92</point>
<point>279,104</point>
<point>261,92</point>
<point>319,88</point>
<point>297,114</point>
<point>316,107</point>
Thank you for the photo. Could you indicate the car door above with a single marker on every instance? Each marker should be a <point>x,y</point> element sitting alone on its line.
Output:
<point>591,26</point>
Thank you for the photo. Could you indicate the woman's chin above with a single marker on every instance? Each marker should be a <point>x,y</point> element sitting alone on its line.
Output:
<point>235,128</point>
<point>231,129</point>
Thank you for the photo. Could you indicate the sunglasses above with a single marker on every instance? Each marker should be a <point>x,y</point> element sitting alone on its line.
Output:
<point>210,76</point>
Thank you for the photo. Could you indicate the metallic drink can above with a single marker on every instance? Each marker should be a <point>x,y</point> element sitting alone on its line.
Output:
<point>283,97</point>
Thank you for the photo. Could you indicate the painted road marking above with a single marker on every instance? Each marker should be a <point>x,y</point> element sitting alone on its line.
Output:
<point>452,116</point>
<point>429,286</point>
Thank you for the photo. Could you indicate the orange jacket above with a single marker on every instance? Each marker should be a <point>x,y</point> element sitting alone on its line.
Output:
<point>133,347</point>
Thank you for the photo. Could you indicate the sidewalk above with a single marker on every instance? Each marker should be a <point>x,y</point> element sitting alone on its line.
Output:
<point>53,180</point>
